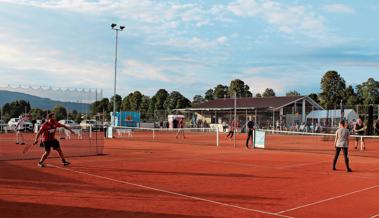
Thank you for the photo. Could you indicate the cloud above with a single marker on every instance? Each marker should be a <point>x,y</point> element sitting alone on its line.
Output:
<point>339,8</point>
<point>24,60</point>
<point>194,42</point>
<point>147,11</point>
<point>259,84</point>
<point>141,71</point>
<point>289,19</point>
<point>245,8</point>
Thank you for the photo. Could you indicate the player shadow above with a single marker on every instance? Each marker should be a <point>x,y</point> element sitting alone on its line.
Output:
<point>31,210</point>
<point>14,176</point>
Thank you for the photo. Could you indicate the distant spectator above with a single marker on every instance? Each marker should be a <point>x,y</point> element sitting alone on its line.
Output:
<point>251,129</point>
<point>20,127</point>
<point>232,128</point>
<point>303,127</point>
<point>175,123</point>
<point>182,124</point>
<point>205,125</point>
<point>318,128</point>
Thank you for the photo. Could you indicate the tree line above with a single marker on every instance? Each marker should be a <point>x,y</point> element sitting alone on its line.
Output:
<point>333,90</point>
<point>16,108</point>
<point>148,106</point>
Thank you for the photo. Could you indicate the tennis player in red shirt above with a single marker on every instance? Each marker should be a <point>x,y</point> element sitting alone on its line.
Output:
<point>47,131</point>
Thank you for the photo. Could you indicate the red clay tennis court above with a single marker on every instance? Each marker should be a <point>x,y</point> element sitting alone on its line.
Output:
<point>169,177</point>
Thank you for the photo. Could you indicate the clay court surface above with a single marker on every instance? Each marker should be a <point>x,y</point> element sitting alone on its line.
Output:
<point>167,177</point>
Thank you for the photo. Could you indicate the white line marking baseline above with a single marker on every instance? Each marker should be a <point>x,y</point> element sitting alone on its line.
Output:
<point>170,192</point>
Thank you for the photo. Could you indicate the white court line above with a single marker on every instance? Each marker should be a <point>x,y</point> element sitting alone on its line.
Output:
<point>377,215</point>
<point>328,199</point>
<point>170,192</point>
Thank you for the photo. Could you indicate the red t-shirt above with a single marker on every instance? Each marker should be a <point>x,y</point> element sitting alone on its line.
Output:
<point>48,130</point>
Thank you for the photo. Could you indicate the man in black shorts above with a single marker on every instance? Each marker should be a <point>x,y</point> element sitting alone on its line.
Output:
<point>250,129</point>
<point>47,131</point>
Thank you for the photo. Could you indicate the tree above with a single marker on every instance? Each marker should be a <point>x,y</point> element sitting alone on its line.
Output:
<point>60,112</point>
<point>135,101</point>
<point>152,107</point>
<point>332,89</point>
<point>314,97</point>
<point>38,113</point>
<point>144,108</point>
<point>350,97</point>
<point>101,106</point>
<point>197,99</point>
<point>238,86</point>
<point>15,109</point>
<point>268,92</point>
<point>74,115</point>
<point>125,104</point>
<point>118,103</point>
<point>293,93</point>
<point>368,92</point>
<point>160,98</point>
<point>220,91</point>
<point>258,95</point>
<point>209,95</point>
<point>176,101</point>
<point>183,103</point>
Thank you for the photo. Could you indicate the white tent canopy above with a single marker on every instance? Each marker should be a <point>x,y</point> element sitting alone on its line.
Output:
<point>349,114</point>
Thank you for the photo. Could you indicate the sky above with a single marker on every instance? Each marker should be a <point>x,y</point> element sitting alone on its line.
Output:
<point>188,45</point>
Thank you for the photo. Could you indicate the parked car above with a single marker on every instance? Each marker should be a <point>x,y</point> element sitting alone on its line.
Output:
<point>86,124</point>
<point>70,123</point>
<point>12,123</point>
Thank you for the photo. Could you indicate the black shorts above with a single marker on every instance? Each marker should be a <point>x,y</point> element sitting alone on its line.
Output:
<point>51,144</point>
<point>250,132</point>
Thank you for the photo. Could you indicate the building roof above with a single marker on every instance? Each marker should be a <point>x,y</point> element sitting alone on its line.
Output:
<point>253,103</point>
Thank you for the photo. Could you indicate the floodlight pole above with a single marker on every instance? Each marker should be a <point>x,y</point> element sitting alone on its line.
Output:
<point>119,28</point>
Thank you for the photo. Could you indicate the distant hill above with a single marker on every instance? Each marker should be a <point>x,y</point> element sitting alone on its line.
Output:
<point>42,103</point>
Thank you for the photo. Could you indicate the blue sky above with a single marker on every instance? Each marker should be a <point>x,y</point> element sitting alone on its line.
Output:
<point>188,46</point>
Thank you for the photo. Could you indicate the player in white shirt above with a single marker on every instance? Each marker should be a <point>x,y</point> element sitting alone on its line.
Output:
<point>19,128</point>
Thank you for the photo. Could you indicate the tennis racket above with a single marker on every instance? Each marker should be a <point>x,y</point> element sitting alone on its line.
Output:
<point>27,148</point>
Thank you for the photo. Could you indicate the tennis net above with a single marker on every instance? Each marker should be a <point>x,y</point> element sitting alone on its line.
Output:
<point>195,136</point>
<point>81,143</point>
<point>319,142</point>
